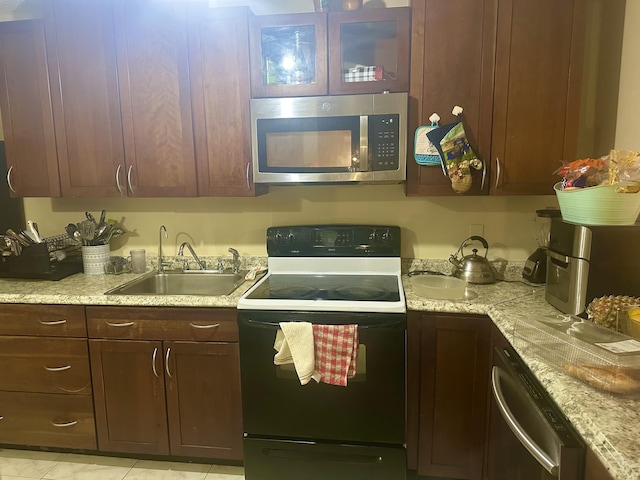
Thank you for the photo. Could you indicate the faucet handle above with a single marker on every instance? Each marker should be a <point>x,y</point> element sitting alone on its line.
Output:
<point>236,259</point>
<point>220,266</point>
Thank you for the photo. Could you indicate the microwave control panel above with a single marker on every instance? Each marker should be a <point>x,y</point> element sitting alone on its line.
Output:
<point>384,138</point>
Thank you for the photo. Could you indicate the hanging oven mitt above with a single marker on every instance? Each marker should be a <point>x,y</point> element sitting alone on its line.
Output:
<point>459,156</point>
<point>425,152</point>
<point>435,136</point>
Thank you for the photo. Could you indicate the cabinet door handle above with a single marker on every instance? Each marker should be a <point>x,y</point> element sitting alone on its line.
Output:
<point>1,417</point>
<point>153,362</point>
<point>64,424</point>
<point>247,176</point>
<point>129,179</point>
<point>57,369</point>
<point>498,171</point>
<point>53,322</point>
<point>118,180</point>
<point>213,325</point>
<point>484,175</point>
<point>123,324</point>
<point>166,362</point>
<point>9,179</point>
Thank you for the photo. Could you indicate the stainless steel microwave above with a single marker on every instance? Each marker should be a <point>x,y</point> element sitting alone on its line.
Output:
<point>347,138</point>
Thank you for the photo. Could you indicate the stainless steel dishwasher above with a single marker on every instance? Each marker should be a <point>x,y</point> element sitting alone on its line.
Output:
<point>529,437</point>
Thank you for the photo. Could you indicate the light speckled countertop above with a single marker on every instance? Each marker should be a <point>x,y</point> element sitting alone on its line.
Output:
<point>609,425</point>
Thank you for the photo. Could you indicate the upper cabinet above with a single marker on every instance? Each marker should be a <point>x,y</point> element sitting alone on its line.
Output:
<point>220,95</point>
<point>27,114</point>
<point>155,101</point>
<point>116,98</point>
<point>528,75</point>
<point>351,52</point>
<point>84,87</point>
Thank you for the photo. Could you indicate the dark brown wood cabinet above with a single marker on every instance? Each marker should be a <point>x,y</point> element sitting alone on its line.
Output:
<point>327,47</point>
<point>140,99</point>
<point>27,111</point>
<point>166,381</point>
<point>45,386</point>
<point>84,85</point>
<point>448,386</point>
<point>524,74</point>
<point>155,102</point>
<point>220,95</point>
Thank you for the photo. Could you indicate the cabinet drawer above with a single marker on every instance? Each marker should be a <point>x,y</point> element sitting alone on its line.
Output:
<point>50,420</point>
<point>153,323</point>
<point>44,320</point>
<point>45,365</point>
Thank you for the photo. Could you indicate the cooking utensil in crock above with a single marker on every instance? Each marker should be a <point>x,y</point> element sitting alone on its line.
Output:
<point>473,268</point>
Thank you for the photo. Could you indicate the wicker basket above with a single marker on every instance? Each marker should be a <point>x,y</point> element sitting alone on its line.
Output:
<point>599,205</point>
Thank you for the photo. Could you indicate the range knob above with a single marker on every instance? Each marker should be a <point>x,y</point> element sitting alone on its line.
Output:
<point>386,236</point>
<point>291,238</point>
<point>277,238</point>
<point>374,236</point>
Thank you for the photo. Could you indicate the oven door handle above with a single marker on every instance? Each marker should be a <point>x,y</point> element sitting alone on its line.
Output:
<point>265,324</point>
<point>497,377</point>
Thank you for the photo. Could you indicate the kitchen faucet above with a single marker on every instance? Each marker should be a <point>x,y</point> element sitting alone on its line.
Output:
<point>161,262</point>
<point>236,260</point>
<point>201,263</point>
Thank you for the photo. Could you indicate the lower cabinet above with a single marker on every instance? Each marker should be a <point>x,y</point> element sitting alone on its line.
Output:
<point>449,361</point>
<point>45,385</point>
<point>166,381</point>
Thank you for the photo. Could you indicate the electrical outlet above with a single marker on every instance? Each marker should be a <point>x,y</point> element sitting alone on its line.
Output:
<point>476,229</point>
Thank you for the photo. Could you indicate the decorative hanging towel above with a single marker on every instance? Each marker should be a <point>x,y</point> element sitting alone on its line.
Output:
<point>425,152</point>
<point>457,155</point>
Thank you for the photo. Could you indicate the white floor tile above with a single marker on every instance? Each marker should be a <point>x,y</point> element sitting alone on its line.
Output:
<point>90,467</point>
<point>11,477</point>
<point>26,463</point>
<point>225,472</point>
<point>152,470</point>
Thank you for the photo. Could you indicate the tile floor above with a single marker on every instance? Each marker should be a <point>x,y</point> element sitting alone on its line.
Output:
<point>31,465</point>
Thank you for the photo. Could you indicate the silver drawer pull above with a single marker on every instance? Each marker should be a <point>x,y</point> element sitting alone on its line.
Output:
<point>214,325</point>
<point>53,322</point>
<point>57,369</point>
<point>73,391</point>
<point>124,324</point>
<point>65,424</point>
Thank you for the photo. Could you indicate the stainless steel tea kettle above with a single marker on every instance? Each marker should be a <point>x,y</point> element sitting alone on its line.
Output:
<point>473,268</point>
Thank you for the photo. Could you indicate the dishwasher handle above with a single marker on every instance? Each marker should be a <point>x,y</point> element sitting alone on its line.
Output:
<point>497,375</point>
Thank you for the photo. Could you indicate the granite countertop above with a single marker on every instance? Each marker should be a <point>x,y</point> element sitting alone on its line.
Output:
<point>609,425</point>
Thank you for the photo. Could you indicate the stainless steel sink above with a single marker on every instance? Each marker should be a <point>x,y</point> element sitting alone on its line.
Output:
<point>189,282</point>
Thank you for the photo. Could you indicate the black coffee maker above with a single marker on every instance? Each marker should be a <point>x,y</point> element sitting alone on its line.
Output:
<point>535,268</point>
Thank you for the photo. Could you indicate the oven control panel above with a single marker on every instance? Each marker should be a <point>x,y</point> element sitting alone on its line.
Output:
<point>334,240</point>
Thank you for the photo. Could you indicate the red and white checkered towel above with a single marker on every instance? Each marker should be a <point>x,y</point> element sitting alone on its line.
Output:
<point>336,353</point>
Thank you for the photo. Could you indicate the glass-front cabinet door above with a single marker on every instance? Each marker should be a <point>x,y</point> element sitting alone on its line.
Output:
<point>369,51</point>
<point>289,55</point>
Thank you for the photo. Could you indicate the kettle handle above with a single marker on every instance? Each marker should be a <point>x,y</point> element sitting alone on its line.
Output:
<point>477,239</point>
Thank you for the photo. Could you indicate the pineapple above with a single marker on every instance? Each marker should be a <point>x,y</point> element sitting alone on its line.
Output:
<point>607,311</point>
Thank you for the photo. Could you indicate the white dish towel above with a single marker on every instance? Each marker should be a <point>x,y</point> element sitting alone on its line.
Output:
<point>294,344</point>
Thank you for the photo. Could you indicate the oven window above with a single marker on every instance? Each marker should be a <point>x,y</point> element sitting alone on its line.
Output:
<point>302,145</point>
<point>327,148</point>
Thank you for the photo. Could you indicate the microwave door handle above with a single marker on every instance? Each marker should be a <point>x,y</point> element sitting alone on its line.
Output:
<point>497,374</point>
<point>364,143</point>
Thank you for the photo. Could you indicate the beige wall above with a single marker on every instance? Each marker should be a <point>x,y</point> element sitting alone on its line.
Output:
<point>433,227</point>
